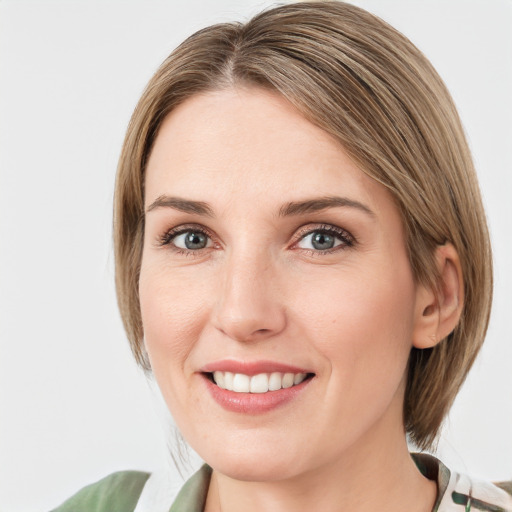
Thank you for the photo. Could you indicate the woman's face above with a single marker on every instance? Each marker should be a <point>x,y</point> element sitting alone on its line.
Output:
<point>268,252</point>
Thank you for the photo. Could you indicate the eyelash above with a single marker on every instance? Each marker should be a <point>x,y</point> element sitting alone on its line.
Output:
<point>347,240</point>
<point>327,229</point>
<point>169,236</point>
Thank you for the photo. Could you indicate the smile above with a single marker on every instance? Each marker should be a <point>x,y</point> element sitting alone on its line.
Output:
<point>260,383</point>
<point>254,387</point>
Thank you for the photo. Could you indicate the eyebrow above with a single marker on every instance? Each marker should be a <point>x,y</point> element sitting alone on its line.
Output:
<point>321,203</point>
<point>290,209</point>
<point>183,205</point>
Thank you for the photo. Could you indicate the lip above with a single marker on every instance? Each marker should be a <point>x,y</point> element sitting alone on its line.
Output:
<point>253,403</point>
<point>251,367</point>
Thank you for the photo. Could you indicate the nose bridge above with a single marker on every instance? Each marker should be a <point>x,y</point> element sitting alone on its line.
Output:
<point>249,306</point>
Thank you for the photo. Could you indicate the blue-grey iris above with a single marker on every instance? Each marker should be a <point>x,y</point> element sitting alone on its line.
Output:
<point>195,240</point>
<point>322,241</point>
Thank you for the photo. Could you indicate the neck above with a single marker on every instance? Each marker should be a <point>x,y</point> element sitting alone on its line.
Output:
<point>375,477</point>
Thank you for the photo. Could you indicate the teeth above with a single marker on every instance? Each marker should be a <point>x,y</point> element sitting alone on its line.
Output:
<point>288,380</point>
<point>298,378</point>
<point>261,383</point>
<point>275,381</point>
<point>218,377</point>
<point>241,383</point>
<point>228,380</point>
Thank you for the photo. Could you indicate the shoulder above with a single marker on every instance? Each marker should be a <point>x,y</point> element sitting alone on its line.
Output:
<point>481,495</point>
<point>119,491</point>
<point>456,490</point>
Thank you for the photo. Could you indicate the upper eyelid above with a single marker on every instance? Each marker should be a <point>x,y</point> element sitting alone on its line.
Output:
<point>324,227</point>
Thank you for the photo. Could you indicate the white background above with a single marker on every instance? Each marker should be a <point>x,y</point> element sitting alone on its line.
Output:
<point>73,406</point>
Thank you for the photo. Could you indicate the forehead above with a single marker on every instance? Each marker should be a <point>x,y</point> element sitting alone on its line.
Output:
<point>250,144</point>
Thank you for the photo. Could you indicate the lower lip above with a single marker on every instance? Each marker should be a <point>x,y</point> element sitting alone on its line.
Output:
<point>253,403</point>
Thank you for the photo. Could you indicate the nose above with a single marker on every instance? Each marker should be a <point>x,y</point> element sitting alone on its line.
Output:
<point>249,306</point>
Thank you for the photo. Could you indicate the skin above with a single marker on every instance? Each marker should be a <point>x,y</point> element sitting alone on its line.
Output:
<point>261,291</point>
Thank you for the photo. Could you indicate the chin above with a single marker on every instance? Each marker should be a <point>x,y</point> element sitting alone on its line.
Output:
<point>255,469</point>
<point>253,459</point>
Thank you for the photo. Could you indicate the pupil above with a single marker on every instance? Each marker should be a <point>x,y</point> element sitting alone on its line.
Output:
<point>322,241</point>
<point>195,241</point>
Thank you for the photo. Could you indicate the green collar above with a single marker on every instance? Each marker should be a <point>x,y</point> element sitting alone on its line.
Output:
<point>192,496</point>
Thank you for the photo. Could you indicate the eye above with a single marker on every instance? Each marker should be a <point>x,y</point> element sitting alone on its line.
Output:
<point>187,239</point>
<point>325,239</point>
<point>191,240</point>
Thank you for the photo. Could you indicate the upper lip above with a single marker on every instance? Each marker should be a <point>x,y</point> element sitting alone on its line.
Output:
<point>251,367</point>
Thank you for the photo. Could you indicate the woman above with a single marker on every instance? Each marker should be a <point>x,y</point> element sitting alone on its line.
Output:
<point>302,261</point>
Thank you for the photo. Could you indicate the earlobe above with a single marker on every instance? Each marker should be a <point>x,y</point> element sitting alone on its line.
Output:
<point>438,311</point>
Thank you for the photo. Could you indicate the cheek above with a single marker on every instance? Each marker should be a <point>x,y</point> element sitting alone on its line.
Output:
<point>171,309</point>
<point>361,320</point>
<point>362,327</point>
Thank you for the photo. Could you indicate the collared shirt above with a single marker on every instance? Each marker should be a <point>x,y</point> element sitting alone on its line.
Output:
<point>132,491</point>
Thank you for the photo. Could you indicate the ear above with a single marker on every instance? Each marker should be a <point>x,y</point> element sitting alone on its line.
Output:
<point>437,314</point>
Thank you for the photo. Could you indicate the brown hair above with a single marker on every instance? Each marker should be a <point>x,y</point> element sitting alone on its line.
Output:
<point>359,79</point>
